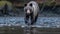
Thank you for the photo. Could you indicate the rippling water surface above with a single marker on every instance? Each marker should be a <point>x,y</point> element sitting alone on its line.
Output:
<point>41,22</point>
<point>47,18</point>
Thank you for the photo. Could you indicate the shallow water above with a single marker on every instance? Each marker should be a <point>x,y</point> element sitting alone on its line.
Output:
<point>47,18</point>
<point>52,22</point>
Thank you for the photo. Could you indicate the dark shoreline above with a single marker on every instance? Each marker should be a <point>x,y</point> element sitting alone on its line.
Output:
<point>19,30</point>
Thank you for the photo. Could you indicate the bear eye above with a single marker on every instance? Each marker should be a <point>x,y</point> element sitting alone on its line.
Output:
<point>25,5</point>
<point>31,4</point>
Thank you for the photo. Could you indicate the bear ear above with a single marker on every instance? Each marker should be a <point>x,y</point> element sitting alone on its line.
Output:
<point>31,4</point>
<point>25,5</point>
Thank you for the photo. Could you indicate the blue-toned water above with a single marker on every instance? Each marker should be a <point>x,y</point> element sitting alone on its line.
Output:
<point>41,22</point>
<point>47,18</point>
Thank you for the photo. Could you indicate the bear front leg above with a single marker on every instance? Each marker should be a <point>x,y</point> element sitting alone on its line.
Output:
<point>32,19</point>
<point>26,19</point>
